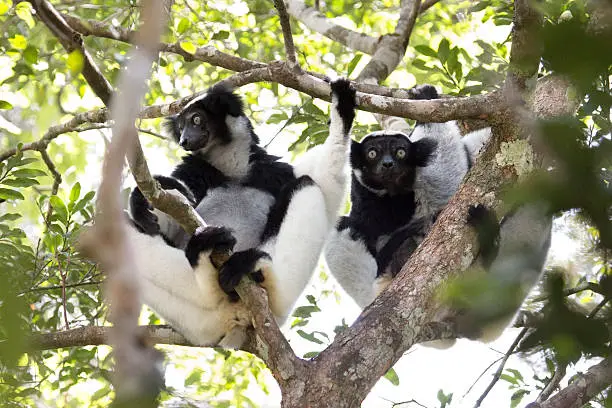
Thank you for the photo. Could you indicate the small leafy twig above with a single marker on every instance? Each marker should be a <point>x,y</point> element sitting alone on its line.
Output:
<point>500,369</point>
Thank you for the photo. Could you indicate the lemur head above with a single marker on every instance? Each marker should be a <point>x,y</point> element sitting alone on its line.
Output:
<point>215,118</point>
<point>387,161</point>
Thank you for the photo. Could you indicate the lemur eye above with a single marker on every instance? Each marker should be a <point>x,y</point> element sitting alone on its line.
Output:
<point>401,153</point>
<point>196,120</point>
<point>371,154</point>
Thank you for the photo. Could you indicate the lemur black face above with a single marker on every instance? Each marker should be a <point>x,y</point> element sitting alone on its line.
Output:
<point>193,127</point>
<point>203,121</point>
<point>388,161</point>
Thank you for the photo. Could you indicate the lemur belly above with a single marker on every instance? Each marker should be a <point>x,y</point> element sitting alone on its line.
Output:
<point>242,209</point>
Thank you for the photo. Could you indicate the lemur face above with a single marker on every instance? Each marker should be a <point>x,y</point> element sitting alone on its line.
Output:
<point>202,123</point>
<point>388,161</point>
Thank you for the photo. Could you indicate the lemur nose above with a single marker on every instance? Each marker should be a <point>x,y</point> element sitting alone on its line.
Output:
<point>387,164</point>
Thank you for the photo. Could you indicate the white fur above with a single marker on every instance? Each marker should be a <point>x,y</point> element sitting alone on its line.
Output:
<point>353,266</point>
<point>169,286</point>
<point>475,141</point>
<point>295,251</point>
<point>232,159</point>
<point>192,301</point>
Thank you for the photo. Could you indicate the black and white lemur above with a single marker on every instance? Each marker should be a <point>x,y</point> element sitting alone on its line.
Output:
<point>399,185</point>
<point>275,216</point>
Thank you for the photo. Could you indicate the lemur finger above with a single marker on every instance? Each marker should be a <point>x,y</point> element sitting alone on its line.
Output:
<point>242,263</point>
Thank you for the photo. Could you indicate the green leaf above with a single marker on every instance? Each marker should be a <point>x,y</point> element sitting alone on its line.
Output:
<point>25,161</point>
<point>60,208</point>
<point>20,182</point>
<point>311,354</point>
<point>28,173</point>
<point>19,42</point>
<point>4,7</point>
<point>305,311</point>
<point>24,12</point>
<point>8,194</point>
<point>311,299</point>
<point>353,63</point>
<point>9,217</point>
<point>420,64</point>
<point>443,50</point>
<point>30,55</point>
<point>309,336</point>
<point>509,378</point>
<point>4,105</point>
<point>75,192</point>
<point>517,397</point>
<point>75,61</point>
<point>426,50</point>
<point>221,35</point>
<point>188,47</point>
<point>391,375</point>
<point>183,25</point>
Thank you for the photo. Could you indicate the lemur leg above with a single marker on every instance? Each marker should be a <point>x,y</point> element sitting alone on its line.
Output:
<point>352,265</point>
<point>327,164</point>
<point>169,287</point>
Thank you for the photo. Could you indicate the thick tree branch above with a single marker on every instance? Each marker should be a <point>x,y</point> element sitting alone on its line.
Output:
<point>391,48</point>
<point>526,45</point>
<point>316,21</point>
<point>582,389</point>
<point>71,41</point>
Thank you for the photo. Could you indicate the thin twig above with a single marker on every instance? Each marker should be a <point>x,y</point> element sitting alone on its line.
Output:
<point>287,36</point>
<point>71,285</point>
<point>500,369</point>
<point>553,384</point>
<point>57,179</point>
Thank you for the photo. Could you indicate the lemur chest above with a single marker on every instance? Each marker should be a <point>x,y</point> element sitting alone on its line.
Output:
<point>242,209</point>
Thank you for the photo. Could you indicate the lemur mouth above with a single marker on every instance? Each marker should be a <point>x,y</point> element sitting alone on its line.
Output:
<point>196,145</point>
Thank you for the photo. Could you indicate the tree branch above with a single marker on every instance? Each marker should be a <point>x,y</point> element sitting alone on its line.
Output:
<point>500,368</point>
<point>316,21</point>
<point>99,335</point>
<point>136,378</point>
<point>582,389</point>
<point>71,41</point>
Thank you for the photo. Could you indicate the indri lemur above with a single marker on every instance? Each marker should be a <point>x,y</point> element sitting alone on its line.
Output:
<point>273,215</point>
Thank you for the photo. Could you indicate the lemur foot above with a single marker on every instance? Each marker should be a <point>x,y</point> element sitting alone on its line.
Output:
<point>343,100</point>
<point>142,214</point>
<point>484,221</point>
<point>423,92</point>
<point>209,240</point>
<point>250,262</point>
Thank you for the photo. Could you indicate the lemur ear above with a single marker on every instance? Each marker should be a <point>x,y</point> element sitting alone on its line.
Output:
<point>356,155</point>
<point>222,101</point>
<point>171,126</point>
<point>422,151</point>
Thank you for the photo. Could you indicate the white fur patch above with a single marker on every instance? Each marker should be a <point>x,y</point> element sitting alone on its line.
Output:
<point>352,266</point>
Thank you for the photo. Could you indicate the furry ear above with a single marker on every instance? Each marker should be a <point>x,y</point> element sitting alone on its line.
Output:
<point>422,151</point>
<point>356,155</point>
<point>222,101</point>
<point>423,92</point>
<point>171,127</point>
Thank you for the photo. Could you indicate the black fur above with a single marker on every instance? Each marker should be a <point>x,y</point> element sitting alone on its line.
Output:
<point>401,237</point>
<point>485,223</point>
<point>238,265</point>
<point>215,239</point>
<point>423,92</point>
<point>346,102</point>
<point>373,215</point>
<point>140,207</point>
<point>279,209</point>
<point>267,173</point>
<point>198,175</point>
